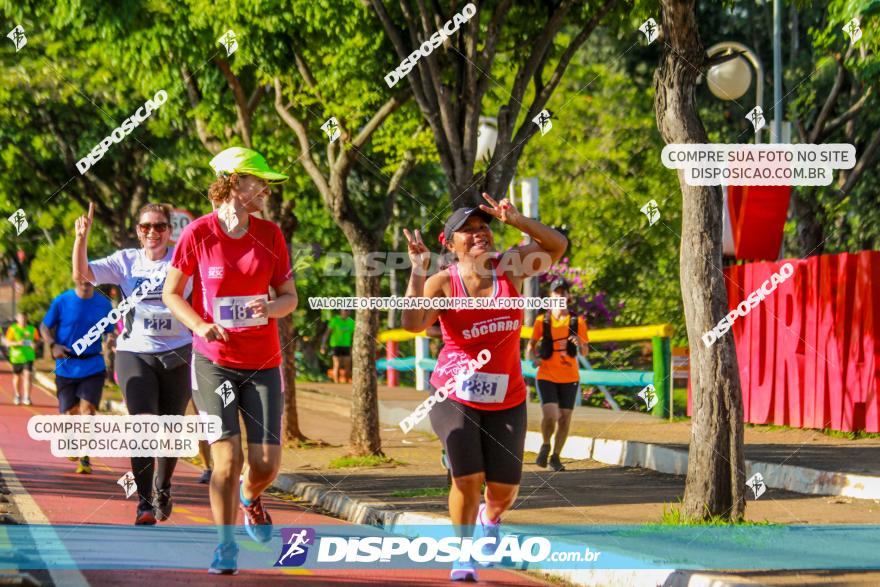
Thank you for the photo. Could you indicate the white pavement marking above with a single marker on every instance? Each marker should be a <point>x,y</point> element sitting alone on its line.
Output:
<point>33,515</point>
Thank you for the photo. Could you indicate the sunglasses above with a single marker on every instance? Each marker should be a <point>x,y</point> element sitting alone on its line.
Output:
<point>159,227</point>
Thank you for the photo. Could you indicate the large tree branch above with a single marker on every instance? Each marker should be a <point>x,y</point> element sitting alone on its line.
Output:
<point>92,184</point>
<point>509,113</point>
<point>241,101</point>
<point>834,125</point>
<point>543,96</point>
<point>429,108</point>
<point>255,99</point>
<point>831,100</point>
<point>866,160</point>
<point>299,130</point>
<point>386,110</point>
<point>312,83</point>
<point>208,140</point>
<point>406,165</point>
<point>394,35</point>
<point>428,75</point>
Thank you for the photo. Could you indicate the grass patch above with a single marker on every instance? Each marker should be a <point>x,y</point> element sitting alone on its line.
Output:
<point>424,492</point>
<point>856,435</point>
<point>111,392</point>
<point>679,401</point>
<point>850,435</point>
<point>352,462</point>
<point>673,516</point>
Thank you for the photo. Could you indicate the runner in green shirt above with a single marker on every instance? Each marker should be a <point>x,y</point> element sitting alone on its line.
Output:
<point>340,331</point>
<point>20,340</point>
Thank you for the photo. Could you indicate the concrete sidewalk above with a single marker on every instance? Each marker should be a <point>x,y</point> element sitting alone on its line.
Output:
<point>411,488</point>
<point>804,461</point>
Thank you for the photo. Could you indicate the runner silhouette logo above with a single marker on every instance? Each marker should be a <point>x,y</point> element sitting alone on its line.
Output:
<point>756,484</point>
<point>756,117</point>
<point>295,546</point>
<point>128,484</point>
<point>650,29</point>
<point>18,38</point>
<point>19,220</point>
<point>226,393</point>
<point>854,31</point>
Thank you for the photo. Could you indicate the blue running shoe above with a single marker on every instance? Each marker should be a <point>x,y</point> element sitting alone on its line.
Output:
<point>463,571</point>
<point>257,521</point>
<point>225,559</point>
<point>489,530</point>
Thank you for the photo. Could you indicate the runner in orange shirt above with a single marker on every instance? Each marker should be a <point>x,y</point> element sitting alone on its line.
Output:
<point>558,380</point>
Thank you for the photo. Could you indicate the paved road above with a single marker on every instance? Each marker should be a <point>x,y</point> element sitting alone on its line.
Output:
<point>46,490</point>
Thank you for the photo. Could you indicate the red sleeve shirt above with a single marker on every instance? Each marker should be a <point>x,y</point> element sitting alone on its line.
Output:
<point>223,266</point>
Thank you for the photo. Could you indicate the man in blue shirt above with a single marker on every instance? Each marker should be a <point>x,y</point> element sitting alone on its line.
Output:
<point>73,327</point>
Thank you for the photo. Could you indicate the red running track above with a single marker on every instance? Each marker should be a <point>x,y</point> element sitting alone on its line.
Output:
<point>63,497</point>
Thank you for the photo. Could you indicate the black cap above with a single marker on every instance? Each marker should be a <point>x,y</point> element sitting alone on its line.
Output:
<point>458,219</point>
<point>559,282</point>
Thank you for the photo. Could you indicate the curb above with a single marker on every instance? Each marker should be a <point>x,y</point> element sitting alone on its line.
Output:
<point>629,453</point>
<point>674,461</point>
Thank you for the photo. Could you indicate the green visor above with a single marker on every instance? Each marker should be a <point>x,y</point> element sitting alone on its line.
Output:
<point>245,162</point>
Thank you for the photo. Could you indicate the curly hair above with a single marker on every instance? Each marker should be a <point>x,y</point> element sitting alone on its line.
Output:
<point>163,209</point>
<point>221,188</point>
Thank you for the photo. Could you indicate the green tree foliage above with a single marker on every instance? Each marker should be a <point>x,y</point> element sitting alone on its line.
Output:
<point>596,168</point>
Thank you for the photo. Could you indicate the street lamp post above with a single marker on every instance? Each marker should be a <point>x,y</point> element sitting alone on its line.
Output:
<point>731,79</point>
<point>487,138</point>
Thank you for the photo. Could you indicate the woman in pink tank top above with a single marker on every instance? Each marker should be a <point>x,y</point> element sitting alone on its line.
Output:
<point>482,424</point>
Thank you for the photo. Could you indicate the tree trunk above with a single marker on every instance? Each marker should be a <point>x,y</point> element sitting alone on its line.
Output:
<point>309,350</point>
<point>808,228</point>
<point>392,276</point>
<point>284,217</point>
<point>365,438</point>
<point>716,468</point>
<point>288,363</point>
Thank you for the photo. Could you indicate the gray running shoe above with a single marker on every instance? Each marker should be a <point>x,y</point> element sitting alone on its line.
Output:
<point>541,461</point>
<point>163,504</point>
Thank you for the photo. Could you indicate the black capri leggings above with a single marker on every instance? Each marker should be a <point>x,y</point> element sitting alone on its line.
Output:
<point>157,384</point>
<point>476,441</point>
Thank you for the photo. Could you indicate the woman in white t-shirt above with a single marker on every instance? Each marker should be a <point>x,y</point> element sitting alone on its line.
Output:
<point>153,350</point>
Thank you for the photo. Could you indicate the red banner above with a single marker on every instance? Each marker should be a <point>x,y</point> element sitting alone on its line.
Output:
<point>809,353</point>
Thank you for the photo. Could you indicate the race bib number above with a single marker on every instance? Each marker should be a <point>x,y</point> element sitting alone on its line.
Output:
<point>158,324</point>
<point>484,388</point>
<point>232,312</point>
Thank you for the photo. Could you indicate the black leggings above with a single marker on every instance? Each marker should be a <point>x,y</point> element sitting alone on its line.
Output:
<point>157,384</point>
<point>482,441</point>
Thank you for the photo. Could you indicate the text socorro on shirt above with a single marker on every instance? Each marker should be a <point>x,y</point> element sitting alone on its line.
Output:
<point>485,327</point>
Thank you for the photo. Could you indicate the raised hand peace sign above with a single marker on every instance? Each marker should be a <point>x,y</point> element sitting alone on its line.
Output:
<point>504,210</point>
<point>419,255</point>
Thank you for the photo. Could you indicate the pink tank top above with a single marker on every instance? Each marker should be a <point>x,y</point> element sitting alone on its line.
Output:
<point>499,383</point>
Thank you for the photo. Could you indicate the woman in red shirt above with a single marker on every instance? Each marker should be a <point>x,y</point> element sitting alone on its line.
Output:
<point>233,259</point>
<point>483,423</point>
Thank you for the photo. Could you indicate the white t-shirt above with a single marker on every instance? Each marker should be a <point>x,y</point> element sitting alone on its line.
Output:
<point>149,326</point>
